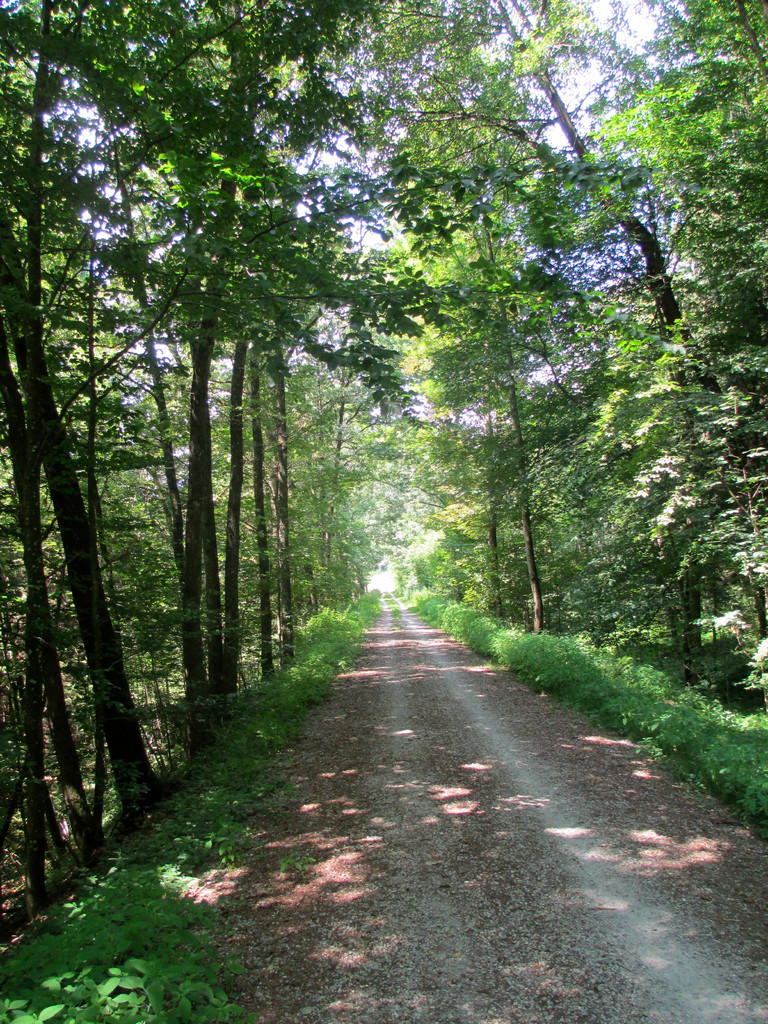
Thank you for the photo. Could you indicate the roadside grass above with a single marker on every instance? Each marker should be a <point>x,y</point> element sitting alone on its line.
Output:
<point>722,751</point>
<point>131,946</point>
<point>394,610</point>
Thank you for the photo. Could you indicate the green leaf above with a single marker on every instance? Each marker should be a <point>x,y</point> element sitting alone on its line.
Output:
<point>156,995</point>
<point>51,1011</point>
<point>106,988</point>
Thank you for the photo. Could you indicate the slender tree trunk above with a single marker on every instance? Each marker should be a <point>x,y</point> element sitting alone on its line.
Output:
<point>84,823</point>
<point>133,775</point>
<point>760,610</point>
<point>203,353</point>
<point>262,533</point>
<point>493,533</point>
<point>24,446</point>
<point>136,783</point>
<point>29,497</point>
<point>690,607</point>
<point>193,646</point>
<point>330,530</point>
<point>493,545</point>
<point>281,510</point>
<point>175,514</point>
<point>272,488</point>
<point>521,471</point>
<point>525,512</point>
<point>214,628</point>
<point>34,751</point>
<point>232,553</point>
<point>94,510</point>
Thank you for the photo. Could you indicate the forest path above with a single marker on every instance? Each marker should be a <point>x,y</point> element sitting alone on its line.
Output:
<point>459,850</point>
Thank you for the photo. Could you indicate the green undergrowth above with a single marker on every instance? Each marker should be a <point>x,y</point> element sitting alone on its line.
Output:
<point>723,751</point>
<point>132,946</point>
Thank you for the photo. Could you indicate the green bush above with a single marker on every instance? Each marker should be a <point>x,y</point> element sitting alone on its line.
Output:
<point>723,751</point>
<point>130,948</point>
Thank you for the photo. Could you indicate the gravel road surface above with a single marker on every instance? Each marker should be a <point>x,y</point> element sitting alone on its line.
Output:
<point>459,850</point>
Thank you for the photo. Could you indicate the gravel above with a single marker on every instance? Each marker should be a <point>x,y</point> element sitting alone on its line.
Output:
<point>457,849</point>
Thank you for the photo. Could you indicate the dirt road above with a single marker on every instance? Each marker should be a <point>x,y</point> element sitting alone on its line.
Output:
<point>461,851</point>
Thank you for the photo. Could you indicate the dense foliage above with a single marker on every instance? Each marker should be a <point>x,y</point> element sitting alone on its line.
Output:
<point>596,456</point>
<point>287,292</point>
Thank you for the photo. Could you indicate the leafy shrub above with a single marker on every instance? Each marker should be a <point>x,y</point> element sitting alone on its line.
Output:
<point>723,751</point>
<point>130,948</point>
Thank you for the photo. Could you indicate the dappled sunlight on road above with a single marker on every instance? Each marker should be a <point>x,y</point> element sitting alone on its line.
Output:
<point>651,851</point>
<point>445,792</point>
<point>216,885</point>
<point>302,877</point>
<point>606,741</point>
<point>663,852</point>
<point>569,833</point>
<point>522,800</point>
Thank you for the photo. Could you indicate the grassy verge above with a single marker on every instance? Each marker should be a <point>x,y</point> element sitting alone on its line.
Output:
<point>395,611</point>
<point>723,751</point>
<point>131,947</point>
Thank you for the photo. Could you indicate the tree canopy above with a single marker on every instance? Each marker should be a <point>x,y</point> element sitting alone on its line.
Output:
<point>288,292</point>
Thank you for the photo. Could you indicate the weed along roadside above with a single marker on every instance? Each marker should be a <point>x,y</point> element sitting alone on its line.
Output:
<point>719,750</point>
<point>132,945</point>
<point>394,611</point>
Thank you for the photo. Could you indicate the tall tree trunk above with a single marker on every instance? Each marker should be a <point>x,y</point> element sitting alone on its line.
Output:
<point>281,510</point>
<point>521,472</point>
<point>272,487</point>
<point>525,510</point>
<point>493,532</point>
<point>36,607</point>
<point>330,529</point>
<point>24,446</point>
<point>135,781</point>
<point>34,791</point>
<point>203,352</point>
<point>690,606</point>
<point>197,732</point>
<point>760,610</point>
<point>175,514</point>
<point>94,511</point>
<point>84,822</point>
<point>262,533</point>
<point>493,544</point>
<point>232,553</point>
<point>214,628</point>
<point>29,496</point>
